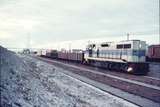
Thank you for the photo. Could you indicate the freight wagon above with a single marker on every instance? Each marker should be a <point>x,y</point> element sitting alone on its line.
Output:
<point>71,56</point>
<point>52,54</point>
<point>153,53</point>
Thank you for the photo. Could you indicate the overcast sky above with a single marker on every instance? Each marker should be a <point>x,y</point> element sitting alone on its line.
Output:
<point>53,23</point>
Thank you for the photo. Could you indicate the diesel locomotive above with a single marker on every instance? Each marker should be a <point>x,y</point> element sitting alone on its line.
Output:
<point>126,56</point>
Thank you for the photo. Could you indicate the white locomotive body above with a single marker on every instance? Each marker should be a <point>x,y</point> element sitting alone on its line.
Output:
<point>124,55</point>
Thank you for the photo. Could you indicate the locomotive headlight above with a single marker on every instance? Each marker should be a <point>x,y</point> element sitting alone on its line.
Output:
<point>130,69</point>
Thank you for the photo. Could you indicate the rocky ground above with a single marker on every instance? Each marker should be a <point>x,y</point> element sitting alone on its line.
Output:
<point>28,82</point>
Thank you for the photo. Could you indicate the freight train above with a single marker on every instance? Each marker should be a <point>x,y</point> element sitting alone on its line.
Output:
<point>125,56</point>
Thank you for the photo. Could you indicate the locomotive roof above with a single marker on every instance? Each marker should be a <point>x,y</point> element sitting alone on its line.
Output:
<point>115,42</point>
<point>122,41</point>
<point>130,40</point>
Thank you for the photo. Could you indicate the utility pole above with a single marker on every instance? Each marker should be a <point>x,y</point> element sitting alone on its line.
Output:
<point>28,48</point>
<point>28,41</point>
<point>127,36</point>
<point>159,38</point>
<point>69,46</point>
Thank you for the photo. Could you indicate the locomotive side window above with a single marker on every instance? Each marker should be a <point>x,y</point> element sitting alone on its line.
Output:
<point>127,46</point>
<point>104,45</point>
<point>92,46</point>
<point>120,46</point>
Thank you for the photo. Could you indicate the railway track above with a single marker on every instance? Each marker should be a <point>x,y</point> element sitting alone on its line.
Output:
<point>147,91</point>
<point>145,79</point>
<point>158,79</point>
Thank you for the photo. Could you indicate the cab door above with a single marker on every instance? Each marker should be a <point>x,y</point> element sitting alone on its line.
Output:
<point>90,52</point>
